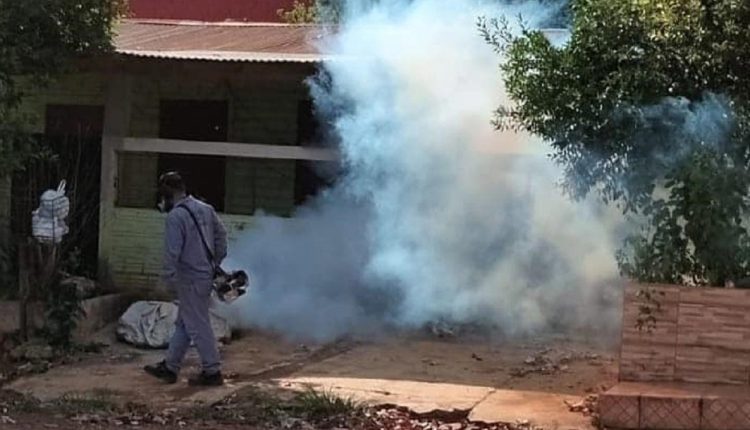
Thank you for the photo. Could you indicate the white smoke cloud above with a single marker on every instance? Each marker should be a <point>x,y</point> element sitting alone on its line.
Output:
<point>438,216</point>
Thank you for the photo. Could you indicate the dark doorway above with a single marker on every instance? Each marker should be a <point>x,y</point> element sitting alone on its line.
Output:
<point>311,177</point>
<point>308,127</point>
<point>203,120</point>
<point>71,151</point>
<point>198,120</point>
<point>203,175</point>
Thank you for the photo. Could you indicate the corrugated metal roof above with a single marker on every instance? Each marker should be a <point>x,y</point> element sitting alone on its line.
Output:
<point>190,40</point>
<point>233,41</point>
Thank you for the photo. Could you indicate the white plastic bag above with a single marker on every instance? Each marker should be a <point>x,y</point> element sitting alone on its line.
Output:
<point>48,230</point>
<point>54,203</point>
<point>48,220</point>
<point>151,324</point>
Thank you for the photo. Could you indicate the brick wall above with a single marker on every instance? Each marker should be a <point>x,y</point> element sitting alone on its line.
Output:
<point>265,113</point>
<point>262,184</point>
<point>134,253</point>
<point>136,180</point>
<point>699,335</point>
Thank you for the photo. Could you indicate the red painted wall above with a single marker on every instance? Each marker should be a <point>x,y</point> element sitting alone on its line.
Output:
<point>209,10</point>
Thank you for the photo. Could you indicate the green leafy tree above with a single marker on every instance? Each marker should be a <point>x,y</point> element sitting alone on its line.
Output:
<point>300,13</point>
<point>312,12</point>
<point>647,105</point>
<point>38,40</point>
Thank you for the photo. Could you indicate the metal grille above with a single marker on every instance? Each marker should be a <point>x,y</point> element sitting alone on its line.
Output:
<point>619,411</point>
<point>77,160</point>
<point>673,414</point>
<point>726,414</point>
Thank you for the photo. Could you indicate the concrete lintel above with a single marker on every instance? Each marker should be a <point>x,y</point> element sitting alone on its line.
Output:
<point>226,149</point>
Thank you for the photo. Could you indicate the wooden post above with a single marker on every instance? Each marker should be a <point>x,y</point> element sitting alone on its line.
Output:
<point>24,269</point>
<point>37,266</point>
<point>46,264</point>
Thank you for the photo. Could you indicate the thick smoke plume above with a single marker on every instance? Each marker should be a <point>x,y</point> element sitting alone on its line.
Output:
<point>437,216</point>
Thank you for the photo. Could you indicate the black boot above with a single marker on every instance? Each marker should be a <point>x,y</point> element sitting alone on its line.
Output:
<point>206,380</point>
<point>161,371</point>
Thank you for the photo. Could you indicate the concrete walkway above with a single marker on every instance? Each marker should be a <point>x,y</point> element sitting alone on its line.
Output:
<point>486,404</point>
<point>478,379</point>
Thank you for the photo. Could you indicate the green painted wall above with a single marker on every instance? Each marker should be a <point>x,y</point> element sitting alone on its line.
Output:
<point>136,249</point>
<point>260,111</point>
<point>260,184</point>
<point>265,113</point>
<point>80,89</point>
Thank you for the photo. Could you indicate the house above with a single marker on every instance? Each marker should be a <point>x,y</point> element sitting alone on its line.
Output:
<point>224,103</point>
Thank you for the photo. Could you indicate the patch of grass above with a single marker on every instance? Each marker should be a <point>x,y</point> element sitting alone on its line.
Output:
<point>256,406</point>
<point>96,402</point>
<point>99,401</point>
<point>317,405</point>
<point>105,392</point>
<point>251,406</point>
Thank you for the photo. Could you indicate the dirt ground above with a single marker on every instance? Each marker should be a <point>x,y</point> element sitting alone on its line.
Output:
<point>118,371</point>
<point>493,381</point>
<point>582,367</point>
<point>416,370</point>
<point>35,422</point>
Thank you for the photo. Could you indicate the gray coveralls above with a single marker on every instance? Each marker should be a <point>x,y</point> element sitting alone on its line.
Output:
<point>187,270</point>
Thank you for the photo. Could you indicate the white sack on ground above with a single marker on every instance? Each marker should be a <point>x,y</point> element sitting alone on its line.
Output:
<point>151,324</point>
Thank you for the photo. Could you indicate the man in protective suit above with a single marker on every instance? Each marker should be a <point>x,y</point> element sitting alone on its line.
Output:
<point>195,245</point>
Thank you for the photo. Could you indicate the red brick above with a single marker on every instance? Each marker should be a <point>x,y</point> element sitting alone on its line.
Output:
<point>724,297</point>
<point>619,410</point>
<point>670,412</point>
<point>724,327</point>
<point>664,293</point>
<point>711,365</point>
<point>725,413</point>
<point>647,363</point>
